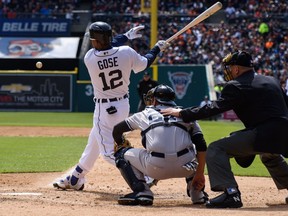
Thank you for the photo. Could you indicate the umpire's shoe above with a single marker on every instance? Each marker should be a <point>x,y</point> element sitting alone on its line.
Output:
<point>231,198</point>
<point>136,199</point>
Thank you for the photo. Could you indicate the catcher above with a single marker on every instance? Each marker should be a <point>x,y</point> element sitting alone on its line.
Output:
<point>169,150</point>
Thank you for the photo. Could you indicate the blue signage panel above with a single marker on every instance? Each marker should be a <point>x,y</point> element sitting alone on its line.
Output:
<point>190,83</point>
<point>84,97</point>
<point>37,92</point>
<point>35,27</point>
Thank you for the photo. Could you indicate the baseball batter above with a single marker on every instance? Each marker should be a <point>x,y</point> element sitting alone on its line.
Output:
<point>109,68</point>
<point>169,150</point>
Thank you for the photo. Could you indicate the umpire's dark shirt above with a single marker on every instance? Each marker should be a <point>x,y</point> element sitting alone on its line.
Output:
<point>144,86</point>
<point>259,102</point>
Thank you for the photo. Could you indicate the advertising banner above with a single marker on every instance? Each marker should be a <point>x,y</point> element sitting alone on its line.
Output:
<point>48,48</point>
<point>190,82</point>
<point>35,27</point>
<point>36,92</point>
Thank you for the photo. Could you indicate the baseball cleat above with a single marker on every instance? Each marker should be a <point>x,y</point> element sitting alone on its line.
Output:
<point>65,184</point>
<point>132,199</point>
<point>226,200</point>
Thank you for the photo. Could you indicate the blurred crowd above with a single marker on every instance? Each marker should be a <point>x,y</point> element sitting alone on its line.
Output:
<point>12,9</point>
<point>233,8</point>
<point>209,43</point>
<point>257,26</point>
<point>249,25</point>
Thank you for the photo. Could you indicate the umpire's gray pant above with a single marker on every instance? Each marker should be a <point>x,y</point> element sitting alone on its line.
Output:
<point>239,144</point>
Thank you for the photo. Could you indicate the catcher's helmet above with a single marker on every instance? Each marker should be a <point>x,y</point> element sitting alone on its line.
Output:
<point>100,31</point>
<point>163,94</point>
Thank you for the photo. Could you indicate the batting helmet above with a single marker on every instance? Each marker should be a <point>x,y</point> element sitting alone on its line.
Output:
<point>101,31</point>
<point>163,94</point>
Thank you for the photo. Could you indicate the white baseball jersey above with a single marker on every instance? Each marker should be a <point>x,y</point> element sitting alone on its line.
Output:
<point>110,70</point>
<point>162,139</point>
<point>168,141</point>
<point>168,148</point>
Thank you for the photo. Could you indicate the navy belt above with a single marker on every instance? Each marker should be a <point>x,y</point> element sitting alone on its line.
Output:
<point>106,100</point>
<point>162,155</point>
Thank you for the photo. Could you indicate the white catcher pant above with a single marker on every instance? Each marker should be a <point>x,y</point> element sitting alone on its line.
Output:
<point>100,140</point>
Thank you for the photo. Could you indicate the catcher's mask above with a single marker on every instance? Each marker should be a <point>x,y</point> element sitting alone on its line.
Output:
<point>163,94</point>
<point>100,31</point>
<point>148,98</point>
<point>240,58</point>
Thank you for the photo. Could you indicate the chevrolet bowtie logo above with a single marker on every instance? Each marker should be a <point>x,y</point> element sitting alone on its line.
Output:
<point>15,88</point>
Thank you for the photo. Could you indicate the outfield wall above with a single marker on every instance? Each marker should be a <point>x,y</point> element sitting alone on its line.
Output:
<point>71,91</point>
<point>38,90</point>
<point>190,83</point>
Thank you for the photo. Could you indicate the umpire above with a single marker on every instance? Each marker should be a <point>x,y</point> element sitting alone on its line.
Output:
<point>143,87</point>
<point>261,104</point>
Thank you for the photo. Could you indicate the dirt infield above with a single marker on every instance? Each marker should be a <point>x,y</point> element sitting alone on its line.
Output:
<point>33,194</point>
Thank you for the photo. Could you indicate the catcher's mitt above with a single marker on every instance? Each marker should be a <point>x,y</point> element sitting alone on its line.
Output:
<point>125,144</point>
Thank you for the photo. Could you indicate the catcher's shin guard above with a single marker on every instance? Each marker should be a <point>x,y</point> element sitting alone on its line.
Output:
<point>127,171</point>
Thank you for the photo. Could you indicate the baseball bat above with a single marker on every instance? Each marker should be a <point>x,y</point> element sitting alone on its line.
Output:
<point>207,13</point>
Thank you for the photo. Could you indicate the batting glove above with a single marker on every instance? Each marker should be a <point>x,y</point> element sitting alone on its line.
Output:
<point>162,44</point>
<point>133,33</point>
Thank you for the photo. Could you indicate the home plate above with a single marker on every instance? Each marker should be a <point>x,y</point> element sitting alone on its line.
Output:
<point>21,194</point>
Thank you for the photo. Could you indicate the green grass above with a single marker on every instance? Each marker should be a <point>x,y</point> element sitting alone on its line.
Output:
<point>214,130</point>
<point>52,154</point>
<point>57,119</point>
<point>39,154</point>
